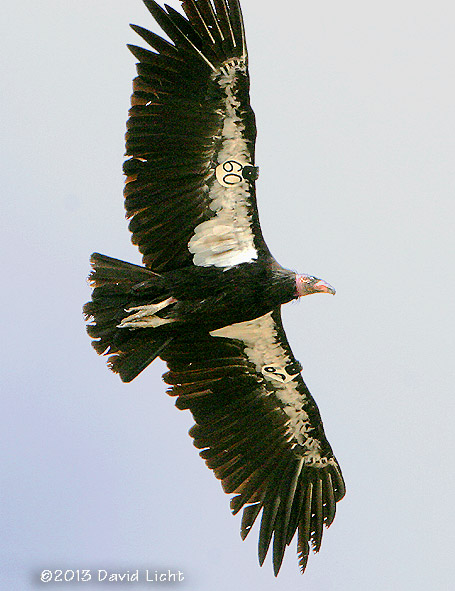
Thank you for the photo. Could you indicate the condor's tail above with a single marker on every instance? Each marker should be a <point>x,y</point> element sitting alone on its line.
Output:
<point>118,286</point>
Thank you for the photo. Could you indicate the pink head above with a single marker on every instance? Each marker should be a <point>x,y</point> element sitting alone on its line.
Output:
<point>306,284</point>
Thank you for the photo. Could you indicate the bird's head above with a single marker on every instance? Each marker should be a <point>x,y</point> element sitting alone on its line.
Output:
<point>306,284</point>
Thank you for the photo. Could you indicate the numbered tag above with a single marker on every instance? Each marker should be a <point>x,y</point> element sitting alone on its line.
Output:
<point>229,173</point>
<point>278,373</point>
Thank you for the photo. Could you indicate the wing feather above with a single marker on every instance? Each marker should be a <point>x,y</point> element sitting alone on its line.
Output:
<point>157,42</point>
<point>225,23</point>
<point>304,527</point>
<point>281,527</point>
<point>271,504</point>
<point>203,17</point>
<point>248,518</point>
<point>258,428</point>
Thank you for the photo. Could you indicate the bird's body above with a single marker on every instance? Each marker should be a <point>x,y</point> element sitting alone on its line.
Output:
<point>208,299</point>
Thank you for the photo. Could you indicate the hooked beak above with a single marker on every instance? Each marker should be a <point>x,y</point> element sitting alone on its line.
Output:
<point>307,284</point>
<point>324,287</point>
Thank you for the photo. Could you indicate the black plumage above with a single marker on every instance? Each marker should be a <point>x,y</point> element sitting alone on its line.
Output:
<point>208,299</point>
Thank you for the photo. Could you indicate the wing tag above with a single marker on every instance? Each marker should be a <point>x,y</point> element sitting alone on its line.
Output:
<point>233,172</point>
<point>278,373</point>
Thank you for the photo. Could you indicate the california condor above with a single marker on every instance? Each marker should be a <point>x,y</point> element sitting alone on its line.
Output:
<point>208,299</point>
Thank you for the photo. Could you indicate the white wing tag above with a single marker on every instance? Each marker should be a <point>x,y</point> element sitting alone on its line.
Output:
<point>278,373</point>
<point>229,173</point>
<point>233,172</point>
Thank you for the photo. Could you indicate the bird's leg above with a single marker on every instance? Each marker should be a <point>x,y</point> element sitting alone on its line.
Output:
<point>145,316</point>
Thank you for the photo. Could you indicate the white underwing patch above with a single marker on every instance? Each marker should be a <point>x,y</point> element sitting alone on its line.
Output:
<point>264,349</point>
<point>227,238</point>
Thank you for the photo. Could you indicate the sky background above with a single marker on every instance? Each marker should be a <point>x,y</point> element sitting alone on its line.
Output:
<point>356,119</point>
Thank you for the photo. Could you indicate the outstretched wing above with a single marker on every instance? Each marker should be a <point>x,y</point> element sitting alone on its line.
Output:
<point>259,430</point>
<point>190,188</point>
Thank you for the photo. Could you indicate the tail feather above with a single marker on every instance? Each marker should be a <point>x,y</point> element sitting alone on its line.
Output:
<point>130,364</point>
<point>116,287</point>
<point>107,270</point>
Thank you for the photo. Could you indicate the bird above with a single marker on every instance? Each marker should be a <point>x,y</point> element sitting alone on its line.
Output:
<point>207,299</point>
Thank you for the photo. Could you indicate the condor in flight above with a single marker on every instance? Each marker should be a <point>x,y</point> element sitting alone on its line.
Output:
<point>208,298</point>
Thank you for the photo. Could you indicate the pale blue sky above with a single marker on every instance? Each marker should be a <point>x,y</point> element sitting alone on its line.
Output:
<point>355,108</point>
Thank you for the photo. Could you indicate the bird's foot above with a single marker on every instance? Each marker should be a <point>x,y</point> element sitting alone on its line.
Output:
<point>145,316</point>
